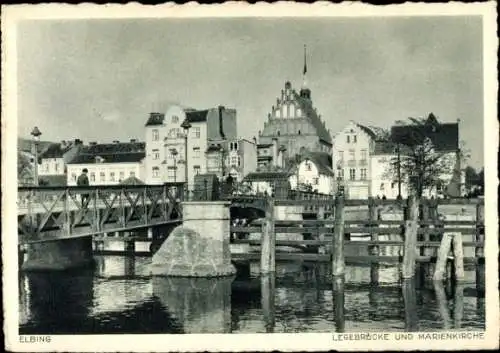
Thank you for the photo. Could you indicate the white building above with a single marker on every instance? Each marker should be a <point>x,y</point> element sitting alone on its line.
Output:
<point>166,141</point>
<point>352,147</point>
<point>53,160</point>
<point>108,164</point>
<point>314,173</point>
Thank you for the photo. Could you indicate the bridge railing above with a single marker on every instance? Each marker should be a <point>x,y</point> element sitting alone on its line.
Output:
<point>45,208</point>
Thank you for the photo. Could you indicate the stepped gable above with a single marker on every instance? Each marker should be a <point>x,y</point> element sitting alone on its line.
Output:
<point>310,113</point>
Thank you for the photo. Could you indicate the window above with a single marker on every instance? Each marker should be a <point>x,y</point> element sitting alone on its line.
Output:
<point>112,176</point>
<point>308,166</point>
<point>56,167</point>
<point>73,176</point>
<point>173,133</point>
<point>122,176</point>
<point>348,139</point>
<point>196,169</point>
<point>363,174</point>
<point>102,176</point>
<point>354,139</point>
<point>315,181</point>
<point>175,119</point>
<point>156,135</point>
<point>299,132</point>
<point>239,161</point>
<point>196,152</point>
<point>234,160</point>
<point>352,174</point>
<point>156,154</point>
<point>363,155</point>
<point>132,174</point>
<point>278,133</point>
<point>382,187</point>
<point>340,174</point>
<point>299,112</point>
<point>196,132</point>
<point>351,155</point>
<point>171,174</point>
<point>156,172</point>
<point>92,176</point>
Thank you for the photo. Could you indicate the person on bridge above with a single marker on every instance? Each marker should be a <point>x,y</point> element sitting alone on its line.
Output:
<point>83,180</point>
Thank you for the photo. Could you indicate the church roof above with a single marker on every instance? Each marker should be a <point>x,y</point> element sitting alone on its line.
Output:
<point>307,108</point>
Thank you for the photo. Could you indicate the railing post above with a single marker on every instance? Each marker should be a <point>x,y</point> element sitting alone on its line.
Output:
<point>97,215</point>
<point>268,242</point>
<point>410,242</point>
<point>67,212</point>
<point>444,250</point>
<point>338,264</point>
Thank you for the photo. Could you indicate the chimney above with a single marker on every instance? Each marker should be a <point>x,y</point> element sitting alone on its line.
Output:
<point>63,143</point>
<point>116,141</point>
<point>133,140</point>
<point>78,142</point>
<point>92,143</point>
<point>221,128</point>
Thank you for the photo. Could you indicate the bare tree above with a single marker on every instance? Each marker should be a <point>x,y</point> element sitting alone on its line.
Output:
<point>418,162</point>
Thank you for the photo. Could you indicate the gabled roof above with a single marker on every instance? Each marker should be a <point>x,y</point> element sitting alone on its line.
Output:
<point>307,108</point>
<point>368,131</point>
<point>322,160</point>
<point>197,116</point>
<point>444,136</point>
<point>267,176</point>
<point>55,150</point>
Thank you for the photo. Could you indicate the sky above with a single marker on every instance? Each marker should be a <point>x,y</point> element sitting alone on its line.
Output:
<point>97,80</point>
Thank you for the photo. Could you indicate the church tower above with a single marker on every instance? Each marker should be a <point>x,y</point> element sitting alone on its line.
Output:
<point>294,122</point>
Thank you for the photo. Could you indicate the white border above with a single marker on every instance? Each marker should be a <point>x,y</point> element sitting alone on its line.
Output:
<point>236,342</point>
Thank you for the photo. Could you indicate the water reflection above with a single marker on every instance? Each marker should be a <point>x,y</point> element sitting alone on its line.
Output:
<point>200,305</point>
<point>119,296</point>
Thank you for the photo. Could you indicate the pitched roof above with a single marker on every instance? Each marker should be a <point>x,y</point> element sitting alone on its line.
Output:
<point>55,150</point>
<point>197,116</point>
<point>322,160</point>
<point>443,136</point>
<point>368,131</point>
<point>125,152</point>
<point>109,158</point>
<point>155,119</point>
<point>307,108</point>
<point>267,176</point>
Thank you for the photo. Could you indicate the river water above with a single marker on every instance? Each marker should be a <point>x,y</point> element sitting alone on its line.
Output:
<point>118,296</point>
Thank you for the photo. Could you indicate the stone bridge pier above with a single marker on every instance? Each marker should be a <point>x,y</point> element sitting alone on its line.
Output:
<point>200,246</point>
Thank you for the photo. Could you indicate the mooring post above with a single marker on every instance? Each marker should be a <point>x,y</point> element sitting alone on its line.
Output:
<point>444,250</point>
<point>410,242</point>
<point>458,254</point>
<point>338,303</point>
<point>268,291</point>
<point>425,250</point>
<point>268,243</point>
<point>372,216</point>
<point>338,264</point>
<point>130,247</point>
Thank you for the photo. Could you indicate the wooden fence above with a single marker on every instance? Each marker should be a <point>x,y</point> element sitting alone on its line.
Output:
<point>424,236</point>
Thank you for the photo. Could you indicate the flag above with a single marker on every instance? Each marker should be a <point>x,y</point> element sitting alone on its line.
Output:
<point>305,62</point>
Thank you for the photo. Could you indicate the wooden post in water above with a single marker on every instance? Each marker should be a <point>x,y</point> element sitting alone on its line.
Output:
<point>268,243</point>
<point>338,264</point>
<point>458,305</point>
<point>410,301</point>
<point>442,303</point>
<point>410,242</point>
<point>321,235</point>
<point>425,250</point>
<point>444,250</point>
<point>268,291</point>
<point>338,303</point>
<point>458,254</point>
<point>373,250</point>
<point>479,229</point>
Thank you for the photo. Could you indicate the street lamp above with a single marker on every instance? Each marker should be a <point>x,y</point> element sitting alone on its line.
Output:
<point>36,133</point>
<point>174,154</point>
<point>186,125</point>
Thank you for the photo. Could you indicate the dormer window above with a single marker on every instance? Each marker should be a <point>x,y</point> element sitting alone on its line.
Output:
<point>175,119</point>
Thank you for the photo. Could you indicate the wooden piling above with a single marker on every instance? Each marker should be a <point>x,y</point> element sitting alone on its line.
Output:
<point>410,241</point>
<point>458,254</point>
<point>268,291</point>
<point>338,303</point>
<point>458,305</point>
<point>442,303</point>
<point>268,243</point>
<point>479,251</point>
<point>338,263</point>
<point>444,250</point>
<point>410,302</point>
<point>321,236</point>
<point>130,247</point>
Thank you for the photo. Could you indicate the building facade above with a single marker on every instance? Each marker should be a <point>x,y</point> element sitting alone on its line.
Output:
<point>52,168</point>
<point>314,174</point>
<point>109,163</point>
<point>169,149</point>
<point>296,126</point>
<point>353,147</point>
<point>235,158</point>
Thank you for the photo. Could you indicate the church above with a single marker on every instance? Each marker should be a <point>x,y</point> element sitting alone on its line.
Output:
<point>293,129</point>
